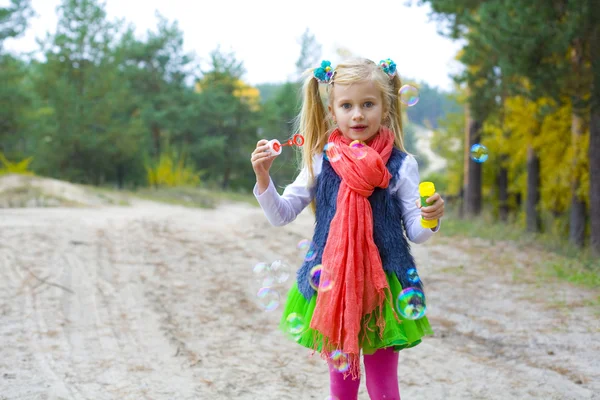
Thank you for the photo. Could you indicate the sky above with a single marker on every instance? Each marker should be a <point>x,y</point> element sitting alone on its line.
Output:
<point>264,34</point>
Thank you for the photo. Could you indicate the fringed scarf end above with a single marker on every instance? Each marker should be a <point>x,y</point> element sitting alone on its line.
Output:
<point>377,313</point>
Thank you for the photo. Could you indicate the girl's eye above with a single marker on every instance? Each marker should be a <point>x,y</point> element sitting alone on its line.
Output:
<point>369,104</point>
<point>346,106</point>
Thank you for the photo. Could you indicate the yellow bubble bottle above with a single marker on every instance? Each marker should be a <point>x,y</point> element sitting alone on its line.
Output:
<point>426,190</point>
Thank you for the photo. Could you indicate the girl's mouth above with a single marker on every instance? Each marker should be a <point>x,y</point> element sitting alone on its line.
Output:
<point>359,127</point>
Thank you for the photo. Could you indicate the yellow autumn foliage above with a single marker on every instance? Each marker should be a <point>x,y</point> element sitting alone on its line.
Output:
<point>524,125</point>
<point>19,167</point>
<point>170,173</point>
<point>247,93</point>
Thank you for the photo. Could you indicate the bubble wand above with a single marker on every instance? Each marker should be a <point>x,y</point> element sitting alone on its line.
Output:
<point>275,147</point>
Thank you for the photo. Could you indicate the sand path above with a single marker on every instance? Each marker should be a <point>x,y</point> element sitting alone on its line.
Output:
<point>155,302</point>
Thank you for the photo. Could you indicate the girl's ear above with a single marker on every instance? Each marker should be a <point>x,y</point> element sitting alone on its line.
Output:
<point>331,113</point>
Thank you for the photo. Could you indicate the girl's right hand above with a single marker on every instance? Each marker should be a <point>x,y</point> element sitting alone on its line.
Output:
<point>262,159</point>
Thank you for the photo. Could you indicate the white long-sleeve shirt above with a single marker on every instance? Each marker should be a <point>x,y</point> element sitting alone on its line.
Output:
<point>283,209</point>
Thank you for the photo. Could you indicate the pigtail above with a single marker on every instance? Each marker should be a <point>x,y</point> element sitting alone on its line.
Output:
<point>311,123</point>
<point>395,113</point>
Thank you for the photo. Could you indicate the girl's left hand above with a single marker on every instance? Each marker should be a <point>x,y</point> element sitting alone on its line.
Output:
<point>435,210</point>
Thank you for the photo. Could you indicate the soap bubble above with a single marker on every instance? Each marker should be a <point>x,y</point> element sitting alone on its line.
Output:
<point>411,303</point>
<point>331,152</point>
<point>279,271</point>
<point>307,249</point>
<point>294,324</point>
<point>413,277</point>
<point>339,361</point>
<point>316,281</point>
<point>409,95</point>
<point>268,299</point>
<point>479,153</point>
<point>358,149</point>
<point>262,275</point>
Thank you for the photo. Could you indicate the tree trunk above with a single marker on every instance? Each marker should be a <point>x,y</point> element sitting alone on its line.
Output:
<point>226,178</point>
<point>594,149</point>
<point>473,192</point>
<point>120,176</point>
<point>502,182</point>
<point>503,191</point>
<point>466,156</point>
<point>577,216</point>
<point>533,191</point>
<point>594,157</point>
<point>461,204</point>
<point>577,220</point>
<point>156,140</point>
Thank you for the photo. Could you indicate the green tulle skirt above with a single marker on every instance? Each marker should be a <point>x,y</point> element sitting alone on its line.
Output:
<point>399,335</point>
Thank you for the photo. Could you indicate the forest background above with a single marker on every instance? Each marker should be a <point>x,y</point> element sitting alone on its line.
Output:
<point>106,108</point>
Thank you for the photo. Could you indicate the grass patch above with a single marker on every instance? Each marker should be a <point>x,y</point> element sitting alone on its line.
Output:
<point>573,271</point>
<point>568,263</point>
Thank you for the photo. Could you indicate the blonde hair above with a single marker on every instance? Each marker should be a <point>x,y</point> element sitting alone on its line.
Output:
<point>315,124</point>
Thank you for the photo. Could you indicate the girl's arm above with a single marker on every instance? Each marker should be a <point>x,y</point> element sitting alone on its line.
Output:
<point>407,190</point>
<point>283,209</point>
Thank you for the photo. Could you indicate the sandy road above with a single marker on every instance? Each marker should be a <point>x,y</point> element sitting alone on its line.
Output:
<point>156,302</point>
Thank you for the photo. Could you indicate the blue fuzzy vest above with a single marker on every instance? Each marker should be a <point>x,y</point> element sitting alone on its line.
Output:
<point>388,227</point>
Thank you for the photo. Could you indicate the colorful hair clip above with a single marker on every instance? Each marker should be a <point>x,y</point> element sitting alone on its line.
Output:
<point>324,73</point>
<point>388,66</point>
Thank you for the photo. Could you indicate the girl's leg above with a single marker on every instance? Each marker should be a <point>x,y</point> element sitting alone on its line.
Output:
<point>381,369</point>
<point>340,388</point>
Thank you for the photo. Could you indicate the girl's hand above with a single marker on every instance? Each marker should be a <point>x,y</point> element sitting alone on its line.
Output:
<point>435,210</point>
<point>262,159</point>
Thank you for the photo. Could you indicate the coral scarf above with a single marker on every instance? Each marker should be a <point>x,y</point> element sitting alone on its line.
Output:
<point>351,259</point>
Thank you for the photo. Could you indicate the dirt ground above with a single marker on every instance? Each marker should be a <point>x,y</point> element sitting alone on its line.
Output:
<point>154,301</point>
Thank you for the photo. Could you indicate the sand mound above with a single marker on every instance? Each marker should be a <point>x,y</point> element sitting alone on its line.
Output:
<point>34,191</point>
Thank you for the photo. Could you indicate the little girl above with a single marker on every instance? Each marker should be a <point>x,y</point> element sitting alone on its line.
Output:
<point>362,189</point>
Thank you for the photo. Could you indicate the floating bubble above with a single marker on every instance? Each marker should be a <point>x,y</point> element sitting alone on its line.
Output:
<point>268,299</point>
<point>413,277</point>
<point>308,250</point>
<point>294,324</point>
<point>262,275</point>
<point>358,149</point>
<point>260,268</point>
<point>339,361</point>
<point>303,245</point>
<point>315,276</point>
<point>409,95</point>
<point>315,281</point>
<point>479,153</point>
<point>311,254</point>
<point>279,271</point>
<point>331,152</point>
<point>411,303</point>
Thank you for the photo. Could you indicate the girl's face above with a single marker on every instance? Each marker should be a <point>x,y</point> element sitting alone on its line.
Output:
<point>357,109</point>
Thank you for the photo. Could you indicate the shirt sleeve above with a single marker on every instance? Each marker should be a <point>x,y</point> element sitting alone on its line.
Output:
<point>407,190</point>
<point>282,209</point>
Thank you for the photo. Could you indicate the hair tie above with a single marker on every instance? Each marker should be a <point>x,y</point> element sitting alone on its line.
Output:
<point>388,66</point>
<point>324,73</point>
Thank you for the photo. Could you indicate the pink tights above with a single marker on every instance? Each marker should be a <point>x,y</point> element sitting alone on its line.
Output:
<point>381,370</point>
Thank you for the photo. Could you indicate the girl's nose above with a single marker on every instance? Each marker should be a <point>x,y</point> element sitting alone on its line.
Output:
<point>357,115</point>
